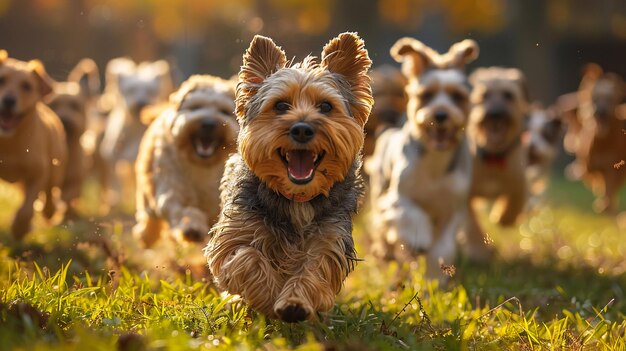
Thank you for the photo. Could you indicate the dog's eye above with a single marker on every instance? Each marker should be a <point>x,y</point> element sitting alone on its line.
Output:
<point>426,96</point>
<point>281,106</point>
<point>26,86</point>
<point>458,97</point>
<point>193,107</point>
<point>507,95</point>
<point>226,112</point>
<point>326,107</point>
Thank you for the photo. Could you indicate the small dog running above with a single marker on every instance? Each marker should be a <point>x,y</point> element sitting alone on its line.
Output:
<point>284,237</point>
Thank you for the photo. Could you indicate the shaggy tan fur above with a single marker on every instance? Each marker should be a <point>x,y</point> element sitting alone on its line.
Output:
<point>286,246</point>
<point>500,104</point>
<point>32,142</point>
<point>181,161</point>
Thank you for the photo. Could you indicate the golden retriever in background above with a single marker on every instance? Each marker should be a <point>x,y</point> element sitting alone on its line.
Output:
<point>600,147</point>
<point>181,161</point>
<point>71,101</point>
<point>499,106</point>
<point>130,88</point>
<point>32,141</point>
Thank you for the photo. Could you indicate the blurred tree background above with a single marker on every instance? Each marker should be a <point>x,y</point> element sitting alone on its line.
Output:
<point>549,39</point>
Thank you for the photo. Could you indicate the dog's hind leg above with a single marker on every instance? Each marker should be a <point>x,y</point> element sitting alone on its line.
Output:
<point>24,215</point>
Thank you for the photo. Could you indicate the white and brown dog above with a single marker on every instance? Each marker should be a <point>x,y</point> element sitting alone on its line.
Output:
<point>135,87</point>
<point>181,161</point>
<point>420,173</point>
<point>500,104</point>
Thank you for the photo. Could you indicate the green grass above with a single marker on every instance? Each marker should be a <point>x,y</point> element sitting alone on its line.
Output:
<point>558,282</point>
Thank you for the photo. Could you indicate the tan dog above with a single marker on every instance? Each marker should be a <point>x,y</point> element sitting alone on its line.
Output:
<point>181,161</point>
<point>32,141</point>
<point>419,174</point>
<point>131,88</point>
<point>71,101</point>
<point>389,111</point>
<point>601,146</point>
<point>500,103</point>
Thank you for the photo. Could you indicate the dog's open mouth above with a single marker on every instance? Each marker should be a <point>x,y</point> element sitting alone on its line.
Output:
<point>205,147</point>
<point>495,130</point>
<point>442,137</point>
<point>8,121</point>
<point>301,164</point>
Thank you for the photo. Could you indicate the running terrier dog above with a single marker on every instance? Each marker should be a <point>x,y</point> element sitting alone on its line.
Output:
<point>32,140</point>
<point>284,237</point>
<point>601,148</point>
<point>181,161</point>
<point>500,106</point>
<point>419,174</point>
<point>71,101</point>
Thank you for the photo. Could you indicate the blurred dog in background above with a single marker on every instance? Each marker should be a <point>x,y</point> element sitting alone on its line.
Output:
<point>419,174</point>
<point>500,104</point>
<point>601,143</point>
<point>131,88</point>
<point>542,138</point>
<point>389,110</point>
<point>32,141</point>
<point>71,101</point>
<point>181,161</point>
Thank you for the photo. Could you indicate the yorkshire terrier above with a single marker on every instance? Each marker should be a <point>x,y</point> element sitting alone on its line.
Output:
<point>181,161</point>
<point>419,174</point>
<point>284,237</point>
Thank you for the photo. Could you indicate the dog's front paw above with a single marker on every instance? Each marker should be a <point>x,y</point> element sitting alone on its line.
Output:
<point>292,311</point>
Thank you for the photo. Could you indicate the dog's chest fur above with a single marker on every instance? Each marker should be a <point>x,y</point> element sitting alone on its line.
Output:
<point>491,181</point>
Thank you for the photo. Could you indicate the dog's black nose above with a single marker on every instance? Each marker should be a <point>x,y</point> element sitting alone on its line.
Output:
<point>496,113</point>
<point>208,126</point>
<point>441,116</point>
<point>9,101</point>
<point>301,132</point>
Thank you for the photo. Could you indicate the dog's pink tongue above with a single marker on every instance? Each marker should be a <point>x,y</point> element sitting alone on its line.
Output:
<point>300,163</point>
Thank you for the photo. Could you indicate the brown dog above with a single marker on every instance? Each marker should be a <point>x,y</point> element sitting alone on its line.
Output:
<point>389,111</point>
<point>32,145</point>
<point>181,161</point>
<point>70,100</point>
<point>601,143</point>
<point>500,103</point>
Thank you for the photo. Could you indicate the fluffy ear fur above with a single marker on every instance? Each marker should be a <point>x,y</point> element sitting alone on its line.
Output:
<point>346,55</point>
<point>414,56</point>
<point>86,75</point>
<point>3,56</point>
<point>150,113</point>
<point>462,53</point>
<point>262,59</point>
<point>44,81</point>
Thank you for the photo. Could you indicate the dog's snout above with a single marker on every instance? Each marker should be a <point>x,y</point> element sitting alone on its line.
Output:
<point>301,132</point>
<point>208,126</point>
<point>9,101</point>
<point>441,116</point>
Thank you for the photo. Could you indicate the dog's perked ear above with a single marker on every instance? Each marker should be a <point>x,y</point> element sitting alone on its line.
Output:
<point>462,53</point>
<point>262,59</point>
<point>3,56</point>
<point>44,81</point>
<point>87,76</point>
<point>346,55</point>
<point>414,56</point>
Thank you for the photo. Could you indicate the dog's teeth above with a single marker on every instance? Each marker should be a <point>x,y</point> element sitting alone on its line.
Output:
<point>287,157</point>
<point>314,157</point>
